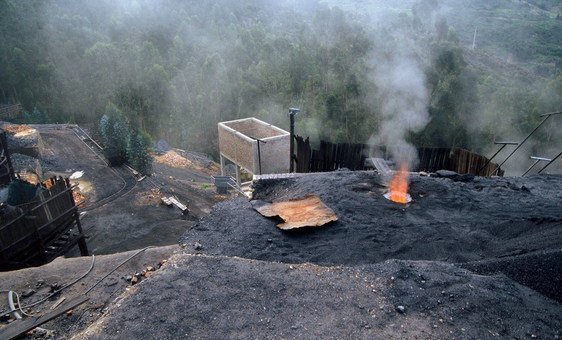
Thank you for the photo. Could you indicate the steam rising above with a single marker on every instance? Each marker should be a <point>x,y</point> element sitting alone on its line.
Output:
<point>404,97</point>
<point>401,83</point>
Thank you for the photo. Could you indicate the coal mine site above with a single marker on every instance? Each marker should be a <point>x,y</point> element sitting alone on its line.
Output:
<point>468,257</point>
<point>254,169</point>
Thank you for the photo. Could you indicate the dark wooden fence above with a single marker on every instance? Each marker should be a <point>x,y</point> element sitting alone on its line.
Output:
<point>455,159</point>
<point>6,168</point>
<point>331,156</point>
<point>41,230</point>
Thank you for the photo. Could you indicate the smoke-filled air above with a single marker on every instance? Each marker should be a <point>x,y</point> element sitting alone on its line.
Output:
<point>393,74</point>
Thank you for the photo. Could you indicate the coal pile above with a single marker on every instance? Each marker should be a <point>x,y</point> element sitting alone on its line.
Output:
<point>383,270</point>
<point>480,223</point>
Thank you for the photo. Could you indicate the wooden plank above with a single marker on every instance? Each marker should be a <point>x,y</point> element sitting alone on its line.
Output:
<point>20,327</point>
<point>166,201</point>
<point>178,204</point>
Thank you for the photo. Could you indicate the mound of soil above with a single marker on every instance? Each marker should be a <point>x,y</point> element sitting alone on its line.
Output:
<point>452,221</point>
<point>217,297</point>
<point>383,270</point>
<point>187,160</point>
<point>23,139</point>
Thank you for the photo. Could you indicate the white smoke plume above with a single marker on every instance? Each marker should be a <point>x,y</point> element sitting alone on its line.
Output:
<point>404,99</point>
<point>403,95</point>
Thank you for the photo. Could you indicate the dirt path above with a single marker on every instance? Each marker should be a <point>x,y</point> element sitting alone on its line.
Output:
<point>120,213</point>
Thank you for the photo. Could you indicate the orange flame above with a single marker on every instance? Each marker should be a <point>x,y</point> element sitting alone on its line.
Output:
<point>398,187</point>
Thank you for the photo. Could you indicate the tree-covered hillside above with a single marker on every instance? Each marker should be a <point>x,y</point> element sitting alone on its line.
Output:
<point>176,68</point>
<point>512,52</point>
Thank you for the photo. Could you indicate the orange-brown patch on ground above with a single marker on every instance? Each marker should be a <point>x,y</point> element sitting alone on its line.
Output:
<point>30,177</point>
<point>79,198</point>
<point>15,128</point>
<point>151,197</point>
<point>308,211</point>
<point>175,160</point>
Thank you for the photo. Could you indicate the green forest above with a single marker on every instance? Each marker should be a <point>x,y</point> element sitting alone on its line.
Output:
<point>174,69</point>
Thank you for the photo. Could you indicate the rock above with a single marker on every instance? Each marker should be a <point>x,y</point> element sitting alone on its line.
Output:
<point>55,286</point>
<point>269,240</point>
<point>197,246</point>
<point>27,293</point>
<point>446,174</point>
<point>400,309</point>
<point>39,332</point>
<point>134,280</point>
<point>148,274</point>
<point>40,283</point>
<point>149,269</point>
<point>69,313</point>
<point>128,278</point>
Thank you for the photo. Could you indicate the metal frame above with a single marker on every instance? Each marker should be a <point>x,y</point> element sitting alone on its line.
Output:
<point>546,117</point>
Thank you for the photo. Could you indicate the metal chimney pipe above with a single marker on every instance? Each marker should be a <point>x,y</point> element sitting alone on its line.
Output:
<point>292,113</point>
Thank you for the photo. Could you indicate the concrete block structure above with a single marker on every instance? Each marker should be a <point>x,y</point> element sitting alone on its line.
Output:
<point>238,142</point>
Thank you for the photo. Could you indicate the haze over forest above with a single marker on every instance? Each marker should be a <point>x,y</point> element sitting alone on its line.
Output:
<point>449,73</point>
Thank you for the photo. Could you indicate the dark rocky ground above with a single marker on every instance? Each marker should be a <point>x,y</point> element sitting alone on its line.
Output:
<point>223,297</point>
<point>35,284</point>
<point>487,224</point>
<point>382,271</point>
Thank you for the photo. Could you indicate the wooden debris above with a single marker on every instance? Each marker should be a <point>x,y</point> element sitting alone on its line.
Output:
<point>178,204</point>
<point>166,201</point>
<point>19,327</point>
<point>308,211</point>
<point>59,301</point>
